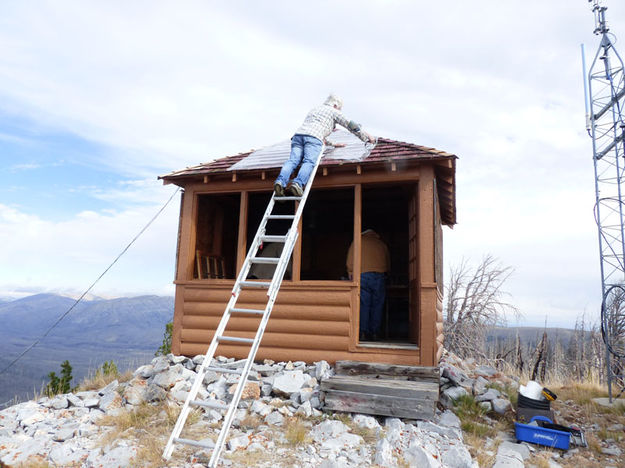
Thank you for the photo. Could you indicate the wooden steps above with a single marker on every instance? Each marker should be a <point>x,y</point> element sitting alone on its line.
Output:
<point>384,390</point>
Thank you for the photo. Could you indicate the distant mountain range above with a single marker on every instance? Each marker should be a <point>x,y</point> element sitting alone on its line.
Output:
<point>125,330</point>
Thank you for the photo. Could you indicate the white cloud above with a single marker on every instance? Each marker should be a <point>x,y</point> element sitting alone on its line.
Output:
<point>70,255</point>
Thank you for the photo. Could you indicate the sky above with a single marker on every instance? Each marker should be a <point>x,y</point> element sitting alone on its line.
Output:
<point>97,99</point>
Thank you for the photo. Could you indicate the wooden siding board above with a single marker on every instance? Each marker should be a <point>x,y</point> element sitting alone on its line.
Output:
<point>275,325</point>
<point>427,391</point>
<point>382,405</point>
<point>376,370</point>
<point>306,355</point>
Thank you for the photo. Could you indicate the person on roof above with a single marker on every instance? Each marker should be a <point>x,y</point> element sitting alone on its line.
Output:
<point>308,141</point>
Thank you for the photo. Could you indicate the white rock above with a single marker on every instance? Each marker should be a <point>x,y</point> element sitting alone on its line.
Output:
<point>305,409</point>
<point>59,402</point>
<point>145,372</point>
<point>323,370</point>
<point>367,422</point>
<point>489,395</point>
<point>341,442</point>
<point>328,429</point>
<point>486,371</point>
<point>289,382</point>
<point>452,394</point>
<point>384,454</point>
<point>74,400</point>
<point>448,418</point>
<point>417,456</point>
<point>239,442</point>
<point>275,419</point>
<point>111,387</point>
<point>505,448</point>
<point>456,456</point>
<point>261,408</point>
<point>67,454</point>
<point>501,405</point>
<point>64,434</point>
<point>91,402</point>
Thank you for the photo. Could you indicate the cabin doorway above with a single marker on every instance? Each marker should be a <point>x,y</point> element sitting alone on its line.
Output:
<point>385,209</point>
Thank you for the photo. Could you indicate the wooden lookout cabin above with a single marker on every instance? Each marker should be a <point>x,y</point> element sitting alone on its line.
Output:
<point>405,192</point>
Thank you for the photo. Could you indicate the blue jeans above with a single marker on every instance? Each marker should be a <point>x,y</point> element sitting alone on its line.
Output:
<point>302,146</point>
<point>372,295</point>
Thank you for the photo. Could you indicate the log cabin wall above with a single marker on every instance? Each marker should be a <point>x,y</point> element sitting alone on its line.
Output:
<point>312,320</point>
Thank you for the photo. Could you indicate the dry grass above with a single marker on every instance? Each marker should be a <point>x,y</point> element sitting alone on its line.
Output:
<point>249,458</point>
<point>100,380</point>
<point>149,426</point>
<point>250,421</point>
<point>581,393</point>
<point>296,432</point>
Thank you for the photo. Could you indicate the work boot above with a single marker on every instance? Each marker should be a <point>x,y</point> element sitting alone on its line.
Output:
<point>295,189</point>
<point>278,189</point>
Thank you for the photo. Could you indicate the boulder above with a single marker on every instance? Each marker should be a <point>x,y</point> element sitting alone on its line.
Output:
<point>289,382</point>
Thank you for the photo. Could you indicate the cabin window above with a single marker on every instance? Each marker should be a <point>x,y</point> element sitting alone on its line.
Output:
<point>385,210</point>
<point>327,231</point>
<point>216,236</point>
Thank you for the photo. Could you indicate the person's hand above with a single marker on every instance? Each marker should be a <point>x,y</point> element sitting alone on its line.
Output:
<point>371,138</point>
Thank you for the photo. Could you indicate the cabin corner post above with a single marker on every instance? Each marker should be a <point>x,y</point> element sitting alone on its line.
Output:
<point>176,334</point>
<point>184,268</point>
<point>428,292</point>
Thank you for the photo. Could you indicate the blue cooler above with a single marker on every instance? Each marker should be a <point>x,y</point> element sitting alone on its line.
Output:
<point>542,435</point>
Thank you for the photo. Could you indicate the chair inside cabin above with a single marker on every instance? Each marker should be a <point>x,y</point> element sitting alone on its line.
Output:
<point>209,266</point>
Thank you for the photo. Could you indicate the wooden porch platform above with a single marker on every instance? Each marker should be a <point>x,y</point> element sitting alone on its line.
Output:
<point>384,390</point>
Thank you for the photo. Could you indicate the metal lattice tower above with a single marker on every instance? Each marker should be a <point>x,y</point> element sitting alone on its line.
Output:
<point>606,97</point>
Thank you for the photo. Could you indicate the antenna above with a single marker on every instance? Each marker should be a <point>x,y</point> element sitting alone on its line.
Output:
<point>606,89</point>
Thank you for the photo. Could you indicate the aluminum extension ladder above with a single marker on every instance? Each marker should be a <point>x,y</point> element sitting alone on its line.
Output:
<point>273,287</point>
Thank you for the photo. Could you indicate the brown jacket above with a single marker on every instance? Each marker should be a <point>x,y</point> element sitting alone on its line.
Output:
<point>374,254</point>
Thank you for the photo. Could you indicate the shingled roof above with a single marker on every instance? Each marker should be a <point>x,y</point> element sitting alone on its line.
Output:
<point>384,152</point>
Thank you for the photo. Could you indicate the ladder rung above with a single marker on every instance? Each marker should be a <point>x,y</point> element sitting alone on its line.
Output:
<point>224,370</point>
<point>255,284</point>
<point>288,198</point>
<point>196,443</point>
<point>235,339</point>
<point>266,260</point>
<point>280,216</point>
<point>248,311</point>
<point>209,404</point>
<point>273,238</point>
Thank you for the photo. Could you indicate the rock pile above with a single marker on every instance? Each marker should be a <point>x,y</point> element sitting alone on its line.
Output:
<point>64,430</point>
<point>459,378</point>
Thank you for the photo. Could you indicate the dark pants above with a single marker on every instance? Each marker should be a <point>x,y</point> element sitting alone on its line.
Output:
<point>372,295</point>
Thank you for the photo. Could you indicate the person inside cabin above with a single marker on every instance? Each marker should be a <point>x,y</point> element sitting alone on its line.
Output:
<point>375,262</point>
<point>308,141</point>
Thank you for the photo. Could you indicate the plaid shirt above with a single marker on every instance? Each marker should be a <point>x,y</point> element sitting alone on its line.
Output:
<point>322,120</point>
